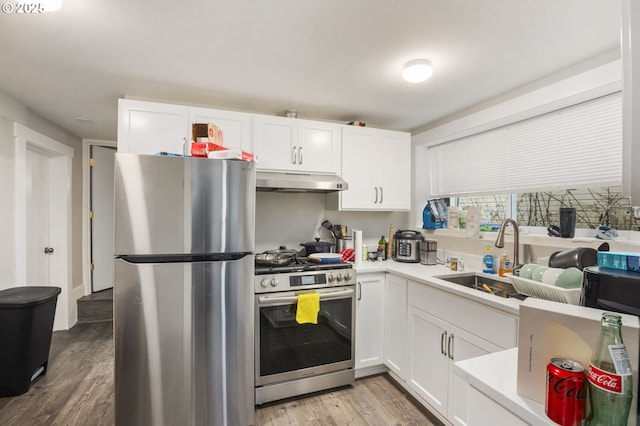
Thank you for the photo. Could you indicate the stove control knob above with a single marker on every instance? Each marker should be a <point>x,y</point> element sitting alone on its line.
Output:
<point>347,276</point>
<point>331,278</point>
<point>264,283</point>
<point>339,276</point>
<point>274,282</point>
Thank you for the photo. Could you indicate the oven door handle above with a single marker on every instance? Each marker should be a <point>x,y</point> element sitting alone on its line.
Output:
<point>289,299</point>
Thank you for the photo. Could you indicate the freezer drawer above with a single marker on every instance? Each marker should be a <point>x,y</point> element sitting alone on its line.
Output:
<point>184,343</point>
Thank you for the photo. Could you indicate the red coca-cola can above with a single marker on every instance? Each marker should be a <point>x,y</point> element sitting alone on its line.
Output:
<point>566,398</point>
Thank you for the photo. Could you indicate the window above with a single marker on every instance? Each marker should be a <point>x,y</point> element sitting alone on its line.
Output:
<point>575,147</point>
<point>594,206</point>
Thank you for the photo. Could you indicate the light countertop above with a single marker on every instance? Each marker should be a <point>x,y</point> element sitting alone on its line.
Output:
<point>427,274</point>
<point>495,375</point>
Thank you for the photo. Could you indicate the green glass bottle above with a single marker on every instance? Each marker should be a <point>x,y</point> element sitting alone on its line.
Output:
<point>610,385</point>
<point>382,248</point>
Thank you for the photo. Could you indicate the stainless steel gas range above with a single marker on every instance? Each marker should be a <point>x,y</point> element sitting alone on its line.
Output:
<point>293,359</point>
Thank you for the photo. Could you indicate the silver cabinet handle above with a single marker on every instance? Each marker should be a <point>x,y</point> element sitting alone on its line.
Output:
<point>450,346</point>
<point>48,250</point>
<point>359,290</point>
<point>443,337</point>
<point>376,200</point>
<point>300,155</point>
<point>294,153</point>
<point>381,195</point>
<point>185,147</point>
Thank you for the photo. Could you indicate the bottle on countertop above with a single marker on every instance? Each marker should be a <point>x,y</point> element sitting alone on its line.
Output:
<point>390,253</point>
<point>382,248</point>
<point>610,380</point>
<point>488,260</point>
<point>505,265</point>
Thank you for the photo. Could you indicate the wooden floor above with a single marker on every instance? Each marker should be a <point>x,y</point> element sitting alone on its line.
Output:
<point>372,401</point>
<point>96,307</point>
<point>78,390</point>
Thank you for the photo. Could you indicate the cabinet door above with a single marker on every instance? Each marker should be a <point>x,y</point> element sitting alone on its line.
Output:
<point>319,146</point>
<point>275,143</point>
<point>235,126</point>
<point>428,372</point>
<point>150,127</point>
<point>369,320</point>
<point>395,325</point>
<point>395,170</point>
<point>359,168</point>
<point>462,345</point>
<point>485,411</point>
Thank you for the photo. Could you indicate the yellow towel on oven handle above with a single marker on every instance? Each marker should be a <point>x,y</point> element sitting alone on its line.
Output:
<point>308,308</point>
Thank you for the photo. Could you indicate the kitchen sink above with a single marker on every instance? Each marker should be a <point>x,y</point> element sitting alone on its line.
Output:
<point>482,283</point>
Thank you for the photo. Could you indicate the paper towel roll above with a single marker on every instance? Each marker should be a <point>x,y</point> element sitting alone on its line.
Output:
<point>357,246</point>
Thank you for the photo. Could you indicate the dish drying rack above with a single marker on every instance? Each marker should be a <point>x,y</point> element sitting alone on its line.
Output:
<point>544,291</point>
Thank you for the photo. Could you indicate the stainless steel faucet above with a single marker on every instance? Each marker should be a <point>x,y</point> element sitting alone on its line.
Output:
<point>516,239</point>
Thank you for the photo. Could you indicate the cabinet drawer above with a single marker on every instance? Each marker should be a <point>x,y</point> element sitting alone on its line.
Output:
<point>496,327</point>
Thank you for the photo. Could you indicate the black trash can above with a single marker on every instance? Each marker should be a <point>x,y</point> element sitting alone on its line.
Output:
<point>26,325</point>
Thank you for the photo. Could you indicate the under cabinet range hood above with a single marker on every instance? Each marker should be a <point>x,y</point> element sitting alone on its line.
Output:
<point>298,182</point>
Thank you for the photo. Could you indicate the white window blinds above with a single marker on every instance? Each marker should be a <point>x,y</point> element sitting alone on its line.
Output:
<point>575,147</point>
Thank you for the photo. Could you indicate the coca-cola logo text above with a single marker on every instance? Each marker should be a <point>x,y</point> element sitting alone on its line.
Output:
<point>568,387</point>
<point>605,380</point>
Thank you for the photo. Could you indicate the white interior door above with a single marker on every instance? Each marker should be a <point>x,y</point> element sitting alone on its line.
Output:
<point>38,214</point>
<point>102,219</point>
<point>43,218</point>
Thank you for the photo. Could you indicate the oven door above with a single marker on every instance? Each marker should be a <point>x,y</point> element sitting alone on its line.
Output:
<point>286,350</point>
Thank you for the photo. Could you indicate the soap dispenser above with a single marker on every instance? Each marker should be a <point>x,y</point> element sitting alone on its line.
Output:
<point>488,260</point>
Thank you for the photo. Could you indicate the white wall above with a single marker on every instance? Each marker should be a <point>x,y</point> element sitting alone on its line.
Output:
<point>290,219</point>
<point>12,111</point>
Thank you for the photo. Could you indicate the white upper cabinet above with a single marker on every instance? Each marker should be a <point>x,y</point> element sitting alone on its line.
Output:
<point>289,144</point>
<point>275,142</point>
<point>377,166</point>
<point>395,170</point>
<point>235,126</point>
<point>150,127</point>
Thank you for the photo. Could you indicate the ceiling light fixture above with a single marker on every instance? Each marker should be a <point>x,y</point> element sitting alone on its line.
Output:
<point>417,71</point>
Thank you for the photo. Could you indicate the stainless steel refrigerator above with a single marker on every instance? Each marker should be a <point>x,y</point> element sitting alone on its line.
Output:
<point>183,316</point>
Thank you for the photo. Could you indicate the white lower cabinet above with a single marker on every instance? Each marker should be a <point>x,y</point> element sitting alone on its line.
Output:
<point>428,362</point>
<point>395,325</point>
<point>369,321</point>
<point>436,342</point>
<point>463,346</point>
<point>485,411</point>
<point>426,330</point>
<point>434,345</point>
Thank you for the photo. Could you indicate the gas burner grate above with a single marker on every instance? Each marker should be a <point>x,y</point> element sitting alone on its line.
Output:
<point>300,264</point>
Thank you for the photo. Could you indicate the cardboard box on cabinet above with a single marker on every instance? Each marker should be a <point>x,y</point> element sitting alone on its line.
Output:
<point>549,329</point>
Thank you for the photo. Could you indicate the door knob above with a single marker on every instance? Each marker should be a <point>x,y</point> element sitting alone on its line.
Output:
<point>48,250</point>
